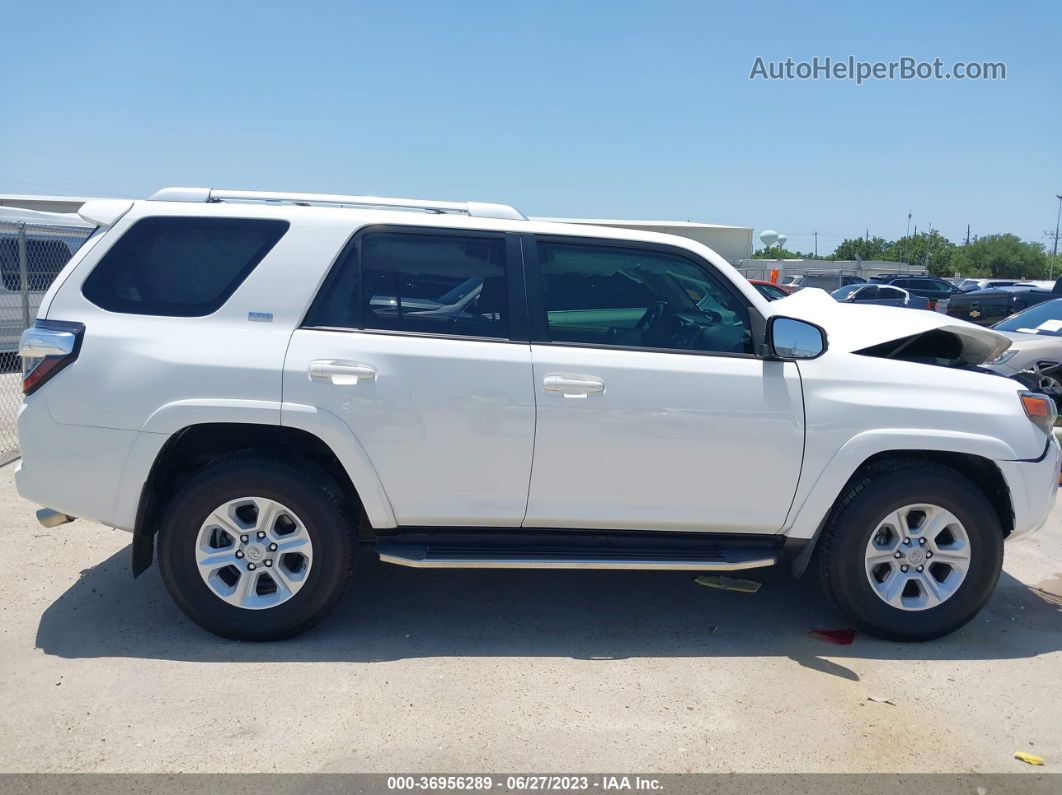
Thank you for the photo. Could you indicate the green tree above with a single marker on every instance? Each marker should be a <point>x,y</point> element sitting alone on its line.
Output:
<point>777,252</point>
<point>931,250</point>
<point>860,248</point>
<point>1004,256</point>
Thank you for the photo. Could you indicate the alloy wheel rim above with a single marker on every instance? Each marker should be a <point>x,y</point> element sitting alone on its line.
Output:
<point>917,557</point>
<point>253,553</point>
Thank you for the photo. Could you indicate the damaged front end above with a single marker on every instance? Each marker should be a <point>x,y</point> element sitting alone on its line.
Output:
<point>947,346</point>
<point>892,333</point>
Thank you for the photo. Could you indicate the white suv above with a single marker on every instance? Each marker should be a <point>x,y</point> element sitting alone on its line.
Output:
<point>253,383</point>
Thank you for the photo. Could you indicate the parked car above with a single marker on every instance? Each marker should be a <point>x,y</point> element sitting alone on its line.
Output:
<point>881,278</point>
<point>770,290</point>
<point>217,375</point>
<point>988,307</point>
<point>969,285</point>
<point>936,290</point>
<point>1035,350</point>
<point>827,280</point>
<point>882,294</point>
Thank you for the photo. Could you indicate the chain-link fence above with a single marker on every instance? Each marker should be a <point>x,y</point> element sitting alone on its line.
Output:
<point>31,256</point>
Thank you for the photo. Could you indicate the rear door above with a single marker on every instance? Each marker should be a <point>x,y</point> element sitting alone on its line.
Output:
<point>417,341</point>
<point>653,412</point>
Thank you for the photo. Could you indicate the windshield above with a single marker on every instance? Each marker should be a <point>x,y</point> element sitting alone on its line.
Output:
<point>1043,318</point>
<point>845,293</point>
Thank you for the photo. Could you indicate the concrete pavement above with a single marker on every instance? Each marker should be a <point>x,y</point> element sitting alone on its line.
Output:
<point>495,671</point>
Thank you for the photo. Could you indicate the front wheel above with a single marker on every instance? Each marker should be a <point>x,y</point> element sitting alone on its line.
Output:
<point>912,553</point>
<point>254,549</point>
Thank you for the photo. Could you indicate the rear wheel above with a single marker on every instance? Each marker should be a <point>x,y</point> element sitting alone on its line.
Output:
<point>253,549</point>
<point>912,553</point>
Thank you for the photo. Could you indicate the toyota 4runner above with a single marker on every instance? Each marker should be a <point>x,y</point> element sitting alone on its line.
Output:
<point>253,383</point>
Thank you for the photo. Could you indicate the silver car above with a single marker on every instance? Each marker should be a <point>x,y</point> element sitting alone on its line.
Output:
<point>1036,347</point>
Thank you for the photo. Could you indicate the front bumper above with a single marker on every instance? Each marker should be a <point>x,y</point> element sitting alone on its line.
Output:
<point>1033,486</point>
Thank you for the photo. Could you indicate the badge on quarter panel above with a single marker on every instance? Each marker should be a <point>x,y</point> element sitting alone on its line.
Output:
<point>260,317</point>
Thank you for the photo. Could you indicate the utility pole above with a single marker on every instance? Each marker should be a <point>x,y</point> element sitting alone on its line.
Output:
<point>907,237</point>
<point>967,234</point>
<point>817,244</point>
<point>1054,255</point>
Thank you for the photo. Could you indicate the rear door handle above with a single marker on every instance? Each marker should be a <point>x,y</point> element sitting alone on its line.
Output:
<point>341,373</point>
<point>573,386</point>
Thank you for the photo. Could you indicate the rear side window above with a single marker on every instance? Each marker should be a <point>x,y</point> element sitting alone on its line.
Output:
<point>452,284</point>
<point>180,267</point>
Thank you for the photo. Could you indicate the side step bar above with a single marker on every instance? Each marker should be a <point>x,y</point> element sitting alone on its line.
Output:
<point>518,549</point>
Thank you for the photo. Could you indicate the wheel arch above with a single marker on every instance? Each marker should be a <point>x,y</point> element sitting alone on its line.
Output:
<point>188,448</point>
<point>980,469</point>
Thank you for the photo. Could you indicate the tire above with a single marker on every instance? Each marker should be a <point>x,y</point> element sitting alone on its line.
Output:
<point>855,565</point>
<point>298,589</point>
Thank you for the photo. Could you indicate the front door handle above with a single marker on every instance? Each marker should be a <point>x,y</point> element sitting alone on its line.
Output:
<point>573,386</point>
<point>341,373</point>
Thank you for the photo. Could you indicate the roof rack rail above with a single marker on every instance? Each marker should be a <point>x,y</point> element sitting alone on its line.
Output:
<point>475,209</point>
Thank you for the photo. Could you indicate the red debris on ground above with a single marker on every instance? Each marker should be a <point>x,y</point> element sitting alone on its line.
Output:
<point>839,637</point>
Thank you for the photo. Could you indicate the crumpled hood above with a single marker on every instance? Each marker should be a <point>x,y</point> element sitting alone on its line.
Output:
<point>853,327</point>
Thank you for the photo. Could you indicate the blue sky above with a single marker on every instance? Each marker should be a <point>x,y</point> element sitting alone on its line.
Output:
<point>633,110</point>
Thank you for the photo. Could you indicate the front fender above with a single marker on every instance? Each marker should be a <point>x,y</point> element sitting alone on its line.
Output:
<point>818,491</point>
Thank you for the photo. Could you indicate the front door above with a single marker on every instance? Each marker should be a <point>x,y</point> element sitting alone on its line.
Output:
<point>652,411</point>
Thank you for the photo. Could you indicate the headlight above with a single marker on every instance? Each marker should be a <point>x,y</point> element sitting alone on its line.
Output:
<point>1004,357</point>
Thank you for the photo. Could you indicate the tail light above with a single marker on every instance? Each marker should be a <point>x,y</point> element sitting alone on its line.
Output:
<point>46,348</point>
<point>1040,409</point>
<point>932,305</point>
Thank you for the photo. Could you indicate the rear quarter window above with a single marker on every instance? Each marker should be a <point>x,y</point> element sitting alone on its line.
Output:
<point>180,267</point>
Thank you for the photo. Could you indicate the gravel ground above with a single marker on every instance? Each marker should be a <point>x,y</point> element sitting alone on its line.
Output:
<point>507,671</point>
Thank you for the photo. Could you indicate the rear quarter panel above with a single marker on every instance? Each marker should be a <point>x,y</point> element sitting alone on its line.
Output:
<point>132,366</point>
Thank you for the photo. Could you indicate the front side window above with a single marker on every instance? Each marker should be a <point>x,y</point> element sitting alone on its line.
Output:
<point>638,298</point>
<point>180,267</point>
<point>419,283</point>
<point>867,294</point>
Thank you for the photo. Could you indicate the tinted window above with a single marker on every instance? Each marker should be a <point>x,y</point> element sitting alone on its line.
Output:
<point>890,293</point>
<point>426,283</point>
<point>638,298</point>
<point>180,267</point>
<point>867,294</point>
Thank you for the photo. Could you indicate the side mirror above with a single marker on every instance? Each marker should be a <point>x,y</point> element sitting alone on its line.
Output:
<point>789,338</point>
